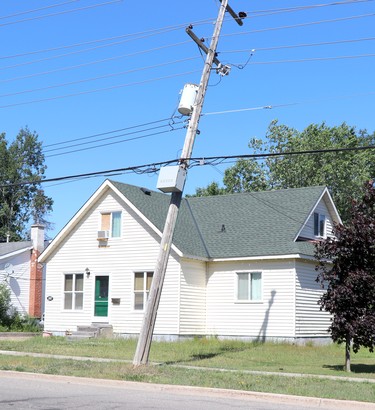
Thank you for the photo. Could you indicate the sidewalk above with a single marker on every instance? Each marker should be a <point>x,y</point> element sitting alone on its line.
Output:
<point>207,369</point>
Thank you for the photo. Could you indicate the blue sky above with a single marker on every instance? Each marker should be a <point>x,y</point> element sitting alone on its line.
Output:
<point>73,69</point>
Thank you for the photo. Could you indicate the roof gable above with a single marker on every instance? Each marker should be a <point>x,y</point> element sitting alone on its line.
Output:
<point>8,249</point>
<point>219,227</point>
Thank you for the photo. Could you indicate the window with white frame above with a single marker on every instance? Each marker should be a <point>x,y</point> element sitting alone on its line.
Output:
<point>111,222</point>
<point>142,285</point>
<point>319,224</point>
<point>73,291</point>
<point>249,286</point>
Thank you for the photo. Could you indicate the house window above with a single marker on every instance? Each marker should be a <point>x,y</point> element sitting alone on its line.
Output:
<point>319,224</point>
<point>249,286</point>
<point>111,222</point>
<point>73,291</point>
<point>142,285</point>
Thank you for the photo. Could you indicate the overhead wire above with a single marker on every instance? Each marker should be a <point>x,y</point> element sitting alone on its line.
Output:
<point>194,161</point>
<point>156,79</point>
<point>110,75</point>
<point>114,87</point>
<point>115,142</point>
<point>145,34</point>
<point>269,107</point>
<point>154,31</point>
<point>109,132</point>
<point>304,60</point>
<point>282,47</point>
<point>20,13</point>
<point>73,53</point>
<point>93,62</point>
<point>111,138</point>
<point>133,37</point>
<point>262,13</point>
<point>60,13</point>
<point>339,19</point>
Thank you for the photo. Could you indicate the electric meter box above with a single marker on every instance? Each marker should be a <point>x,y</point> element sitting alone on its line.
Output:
<point>171,179</point>
<point>188,96</point>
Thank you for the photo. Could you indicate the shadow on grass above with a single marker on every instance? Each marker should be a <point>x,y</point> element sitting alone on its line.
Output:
<point>209,355</point>
<point>355,368</point>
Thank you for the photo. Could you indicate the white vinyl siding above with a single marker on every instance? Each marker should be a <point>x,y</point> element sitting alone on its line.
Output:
<point>136,250</point>
<point>309,229</point>
<point>271,318</point>
<point>310,320</point>
<point>193,298</point>
<point>18,280</point>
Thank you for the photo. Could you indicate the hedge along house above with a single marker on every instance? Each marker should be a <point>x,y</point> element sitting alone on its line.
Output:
<point>241,265</point>
<point>19,268</point>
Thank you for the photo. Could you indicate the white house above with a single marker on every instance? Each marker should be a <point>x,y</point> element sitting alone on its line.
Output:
<point>20,269</point>
<point>241,265</point>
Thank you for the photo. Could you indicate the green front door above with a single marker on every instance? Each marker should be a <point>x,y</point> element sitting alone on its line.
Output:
<point>101,296</point>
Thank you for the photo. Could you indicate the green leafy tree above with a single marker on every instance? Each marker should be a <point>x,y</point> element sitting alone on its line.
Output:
<point>350,276</point>
<point>246,175</point>
<point>343,172</point>
<point>211,189</point>
<point>21,161</point>
<point>5,304</point>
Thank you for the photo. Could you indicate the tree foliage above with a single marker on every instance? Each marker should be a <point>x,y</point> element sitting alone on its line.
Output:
<point>343,172</point>
<point>350,276</point>
<point>21,161</point>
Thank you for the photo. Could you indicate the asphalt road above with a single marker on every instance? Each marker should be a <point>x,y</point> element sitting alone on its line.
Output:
<point>20,391</point>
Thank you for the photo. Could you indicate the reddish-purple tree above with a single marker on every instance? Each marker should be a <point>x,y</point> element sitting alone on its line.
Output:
<point>346,266</point>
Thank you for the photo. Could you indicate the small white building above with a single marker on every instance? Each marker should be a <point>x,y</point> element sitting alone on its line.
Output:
<point>241,265</point>
<point>20,270</point>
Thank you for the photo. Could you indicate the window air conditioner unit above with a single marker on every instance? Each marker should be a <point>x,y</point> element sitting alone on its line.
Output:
<point>103,235</point>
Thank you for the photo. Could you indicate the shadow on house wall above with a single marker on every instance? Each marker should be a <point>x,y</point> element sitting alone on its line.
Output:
<point>263,330</point>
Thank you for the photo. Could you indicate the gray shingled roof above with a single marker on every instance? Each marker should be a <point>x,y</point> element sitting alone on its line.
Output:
<point>233,226</point>
<point>10,247</point>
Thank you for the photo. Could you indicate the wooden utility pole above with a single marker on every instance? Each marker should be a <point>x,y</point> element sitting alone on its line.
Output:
<point>145,336</point>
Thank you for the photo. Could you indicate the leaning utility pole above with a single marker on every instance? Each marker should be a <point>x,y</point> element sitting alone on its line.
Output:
<point>145,336</point>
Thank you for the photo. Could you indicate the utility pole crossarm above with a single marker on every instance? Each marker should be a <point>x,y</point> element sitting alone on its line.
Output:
<point>237,17</point>
<point>201,44</point>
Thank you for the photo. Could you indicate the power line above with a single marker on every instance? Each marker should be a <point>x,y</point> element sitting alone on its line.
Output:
<point>114,87</point>
<point>269,107</point>
<point>301,25</point>
<point>158,78</point>
<point>179,44</point>
<point>137,35</point>
<point>111,132</point>
<point>324,43</point>
<point>304,60</point>
<point>152,31</point>
<point>60,12</point>
<point>35,10</point>
<point>94,62</point>
<point>262,13</point>
<point>116,142</point>
<point>145,34</point>
<point>195,161</point>
<point>134,70</point>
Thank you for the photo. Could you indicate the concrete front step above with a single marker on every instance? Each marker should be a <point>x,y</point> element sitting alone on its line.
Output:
<point>91,331</point>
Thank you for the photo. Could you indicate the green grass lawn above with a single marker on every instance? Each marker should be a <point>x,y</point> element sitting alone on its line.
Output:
<point>208,353</point>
